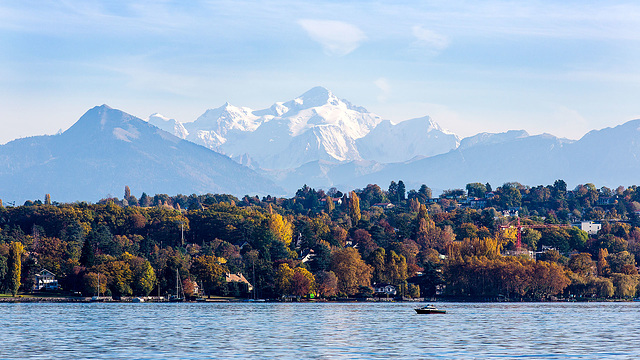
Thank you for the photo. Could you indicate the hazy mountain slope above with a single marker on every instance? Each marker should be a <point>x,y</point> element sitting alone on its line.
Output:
<point>108,149</point>
<point>492,138</point>
<point>607,157</point>
<point>531,160</point>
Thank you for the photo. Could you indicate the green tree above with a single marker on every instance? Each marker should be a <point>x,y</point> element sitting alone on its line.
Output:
<point>144,277</point>
<point>87,256</point>
<point>14,266</point>
<point>625,285</point>
<point>476,190</point>
<point>401,190</point>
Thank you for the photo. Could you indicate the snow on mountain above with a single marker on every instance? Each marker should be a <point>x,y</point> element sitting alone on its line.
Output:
<point>169,125</point>
<point>317,125</point>
<point>492,138</point>
<point>212,128</point>
<point>390,142</point>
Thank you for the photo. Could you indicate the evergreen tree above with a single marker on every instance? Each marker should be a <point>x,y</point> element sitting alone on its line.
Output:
<point>401,190</point>
<point>392,193</point>
<point>87,256</point>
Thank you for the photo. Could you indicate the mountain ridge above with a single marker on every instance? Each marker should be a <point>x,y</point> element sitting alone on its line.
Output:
<point>107,149</point>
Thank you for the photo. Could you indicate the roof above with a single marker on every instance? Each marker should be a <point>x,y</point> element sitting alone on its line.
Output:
<point>45,272</point>
<point>236,278</point>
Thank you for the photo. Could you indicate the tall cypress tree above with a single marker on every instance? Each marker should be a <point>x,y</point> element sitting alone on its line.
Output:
<point>87,256</point>
<point>14,267</point>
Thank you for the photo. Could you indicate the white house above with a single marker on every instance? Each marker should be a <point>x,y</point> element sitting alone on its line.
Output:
<point>589,226</point>
<point>45,280</point>
<point>384,289</point>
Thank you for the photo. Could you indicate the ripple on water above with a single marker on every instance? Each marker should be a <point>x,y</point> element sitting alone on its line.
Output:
<point>319,331</point>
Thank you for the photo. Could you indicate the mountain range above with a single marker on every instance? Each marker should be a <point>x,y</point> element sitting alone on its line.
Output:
<point>107,150</point>
<point>316,139</point>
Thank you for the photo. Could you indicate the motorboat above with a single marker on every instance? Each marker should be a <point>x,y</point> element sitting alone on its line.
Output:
<point>430,309</point>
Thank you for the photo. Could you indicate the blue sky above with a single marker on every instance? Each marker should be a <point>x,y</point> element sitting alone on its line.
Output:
<point>562,67</point>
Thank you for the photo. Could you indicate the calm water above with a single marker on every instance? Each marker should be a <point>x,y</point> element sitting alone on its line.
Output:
<point>319,331</point>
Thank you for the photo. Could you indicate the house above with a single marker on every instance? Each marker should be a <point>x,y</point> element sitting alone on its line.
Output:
<point>45,280</point>
<point>520,253</point>
<point>605,201</point>
<point>238,278</point>
<point>384,289</point>
<point>512,211</point>
<point>589,226</point>
<point>477,203</point>
<point>307,256</point>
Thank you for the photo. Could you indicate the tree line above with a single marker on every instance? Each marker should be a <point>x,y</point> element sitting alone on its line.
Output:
<point>332,244</point>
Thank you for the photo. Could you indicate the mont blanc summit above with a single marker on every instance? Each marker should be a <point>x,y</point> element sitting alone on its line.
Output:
<point>316,125</point>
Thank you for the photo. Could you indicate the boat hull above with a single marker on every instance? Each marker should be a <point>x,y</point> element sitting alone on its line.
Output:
<point>430,311</point>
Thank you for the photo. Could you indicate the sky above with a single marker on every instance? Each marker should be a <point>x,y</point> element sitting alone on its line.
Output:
<point>559,67</point>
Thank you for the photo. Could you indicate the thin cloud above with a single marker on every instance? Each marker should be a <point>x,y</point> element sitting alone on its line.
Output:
<point>427,38</point>
<point>385,89</point>
<point>336,37</point>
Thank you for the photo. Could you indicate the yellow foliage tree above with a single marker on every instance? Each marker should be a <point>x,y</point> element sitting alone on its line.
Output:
<point>281,228</point>
<point>284,275</point>
<point>350,269</point>
<point>354,207</point>
<point>14,266</point>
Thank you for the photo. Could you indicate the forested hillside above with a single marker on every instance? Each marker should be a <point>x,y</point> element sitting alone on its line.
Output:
<point>463,244</point>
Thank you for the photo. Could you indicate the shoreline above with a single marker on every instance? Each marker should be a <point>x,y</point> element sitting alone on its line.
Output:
<point>151,299</point>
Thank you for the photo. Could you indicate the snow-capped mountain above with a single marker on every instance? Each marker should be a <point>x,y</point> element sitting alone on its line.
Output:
<point>107,149</point>
<point>169,125</point>
<point>486,138</point>
<point>315,126</point>
<point>390,142</point>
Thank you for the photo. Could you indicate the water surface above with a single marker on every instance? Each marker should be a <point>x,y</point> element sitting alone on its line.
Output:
<point>319,331</point>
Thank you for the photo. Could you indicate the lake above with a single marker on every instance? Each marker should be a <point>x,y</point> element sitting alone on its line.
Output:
<point>319,331</point>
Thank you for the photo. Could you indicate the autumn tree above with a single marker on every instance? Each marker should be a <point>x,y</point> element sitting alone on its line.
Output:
<point>284,276</point>
<point>14,266</point>
<point>94,283</point>
<point>329,206</point>
<point>210,271</point>
<point>143,276</point>
<point>351,270</point>
<point>327,283</point>
<point>625,285</point>
<point>582,264</point>
<point>354,207</point>
<point>302,283</point>
<point>281,228</point>
<point>119,276</point>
